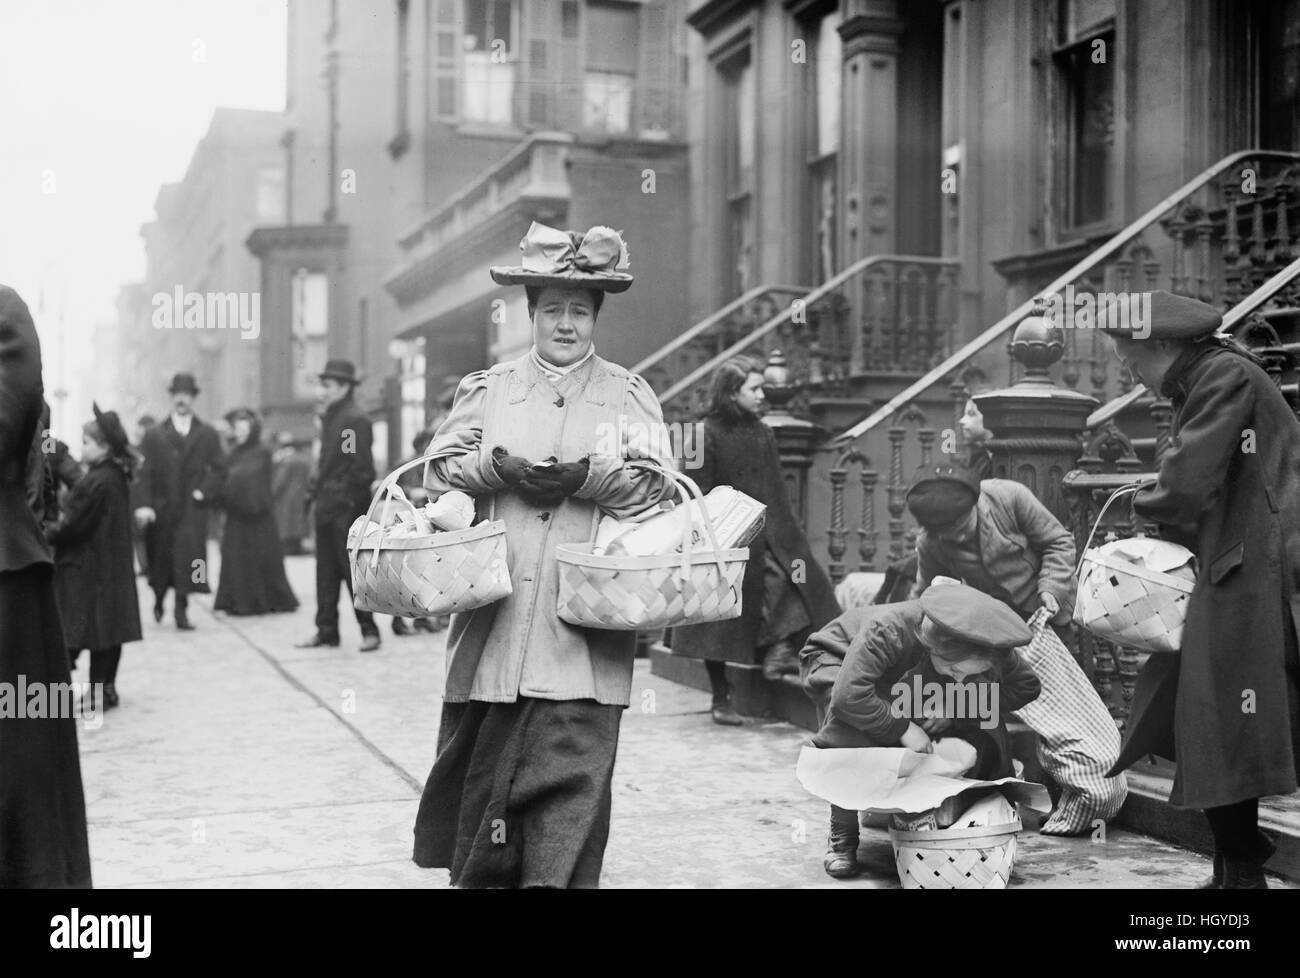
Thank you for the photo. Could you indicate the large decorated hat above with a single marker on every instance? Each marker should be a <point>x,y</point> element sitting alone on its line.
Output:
<point>554,257</point>
<point>110,426</point>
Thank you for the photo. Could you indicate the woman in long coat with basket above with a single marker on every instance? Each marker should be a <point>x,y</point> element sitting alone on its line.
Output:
<point>1226,708</point>
<point>519,795</point>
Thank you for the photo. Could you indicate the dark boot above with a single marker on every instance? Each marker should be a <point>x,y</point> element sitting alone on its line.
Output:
<point>781,659</point>
<point>1215,880</point>
<point>841,859</point>
<point>400,627</point>
<point>725,714</point>
<point>1243,874</point>
<point>1265,846</point>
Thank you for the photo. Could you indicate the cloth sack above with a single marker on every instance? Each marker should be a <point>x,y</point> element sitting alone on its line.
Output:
<point>1078,739</point>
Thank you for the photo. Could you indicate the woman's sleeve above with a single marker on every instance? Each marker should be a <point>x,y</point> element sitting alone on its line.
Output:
<point>617,489</point>
<point>81,514</point>
<point>1211,428</point>
<point>469,467</point>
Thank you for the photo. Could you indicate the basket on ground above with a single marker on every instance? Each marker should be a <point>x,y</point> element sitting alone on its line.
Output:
<point>426,574</point>
<point>956,859</point>
<point>1122,602</point>
<point>627,592</point>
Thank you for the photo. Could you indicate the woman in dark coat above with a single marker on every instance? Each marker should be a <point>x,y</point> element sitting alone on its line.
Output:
<point>94,566</point>
<point>252,565</point>
<point>42,808</point>
<point>290,474</point>
<point>785,594</point>
<point>1227,707</point>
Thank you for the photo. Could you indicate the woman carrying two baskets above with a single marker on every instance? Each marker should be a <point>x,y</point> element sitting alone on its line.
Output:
<point>519,794</point>
<point>1226,707</point>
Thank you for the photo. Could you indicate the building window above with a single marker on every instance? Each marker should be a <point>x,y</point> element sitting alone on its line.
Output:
<point>310,324</point>
<point>1085,60</point>
<point>739,119</point>
<point>270,196</point>
<point>1280,77</point>
<point>610,68</point>
<point>402,126</point>
<point>490,61</point>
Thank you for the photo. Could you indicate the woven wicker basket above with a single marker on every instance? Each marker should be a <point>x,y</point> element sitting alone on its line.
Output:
<point>629,593</point>
<point>956,859</point>
<point>426,575</point>
<point>1121,602</point>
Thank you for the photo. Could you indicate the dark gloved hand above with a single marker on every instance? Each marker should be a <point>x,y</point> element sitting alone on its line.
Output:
<point>567,477</point>
<point>511,468</point>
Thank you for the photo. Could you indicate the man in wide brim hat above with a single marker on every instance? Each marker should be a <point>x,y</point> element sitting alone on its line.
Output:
<point>532,705</point>
<point>184,384</point>
<point>344,371</point>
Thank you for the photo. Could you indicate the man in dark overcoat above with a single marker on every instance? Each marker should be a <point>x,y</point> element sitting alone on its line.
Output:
<point>341,494</point>
<point>1227,707</point>
<point>183,466</point>
<point>43,839</point>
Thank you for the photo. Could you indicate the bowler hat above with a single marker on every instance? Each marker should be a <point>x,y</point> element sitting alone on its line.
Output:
<point>184,383</point>
<point>110,426</point>
<point>942,494</point>
<point>341,370</point>
<point>1172,317</point>
<point>974,617</point>
<point>553,257</point>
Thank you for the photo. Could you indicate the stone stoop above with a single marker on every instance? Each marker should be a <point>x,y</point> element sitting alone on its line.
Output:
<point>1148,811</point>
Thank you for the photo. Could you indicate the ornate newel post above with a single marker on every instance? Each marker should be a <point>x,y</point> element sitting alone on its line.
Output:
<point>795,438</point>
<point>1036,424</point>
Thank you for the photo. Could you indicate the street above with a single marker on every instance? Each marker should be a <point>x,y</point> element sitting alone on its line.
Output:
<point>236,760</point>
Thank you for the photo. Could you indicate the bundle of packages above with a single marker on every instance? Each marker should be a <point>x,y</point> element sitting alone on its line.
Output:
<point>737,519</point>
<point>976,807</point>
<point>453,511</point>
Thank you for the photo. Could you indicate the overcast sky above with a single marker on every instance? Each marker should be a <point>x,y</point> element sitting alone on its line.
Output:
<point>102,102</point>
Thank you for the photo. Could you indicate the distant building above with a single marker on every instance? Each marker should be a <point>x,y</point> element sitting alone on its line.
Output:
<point>195,247</point>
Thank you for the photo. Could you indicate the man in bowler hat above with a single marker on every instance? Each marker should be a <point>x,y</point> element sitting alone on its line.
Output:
<point>341,494</point>
<point>183,466</point>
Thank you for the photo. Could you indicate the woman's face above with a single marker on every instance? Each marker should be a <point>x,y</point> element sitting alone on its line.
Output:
<point>750,396</point>
<point>972,423</point>
<point>564,322</point>
<point>91,450</point>
<point>243,428</point>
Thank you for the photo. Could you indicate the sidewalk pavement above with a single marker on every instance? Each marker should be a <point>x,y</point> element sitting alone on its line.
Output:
<point>236,760</point>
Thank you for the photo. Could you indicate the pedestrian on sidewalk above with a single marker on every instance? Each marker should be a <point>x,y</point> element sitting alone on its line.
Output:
<point>144,537</point>
<point>253,581</point>
<point>183,461</point>
<point>1228,488</point>
<point>519,795</point>
<point>94,559</point>
<point>290,474</point>
<point>785,594</point>
<point>42,806</point>
<point>341,493</point>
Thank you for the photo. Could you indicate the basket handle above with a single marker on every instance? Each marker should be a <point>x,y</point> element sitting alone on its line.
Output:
<point>688,488</point>
<point>385,492</point>
<point>1131,487</point>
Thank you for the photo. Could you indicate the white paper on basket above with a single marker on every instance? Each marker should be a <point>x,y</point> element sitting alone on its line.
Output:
<point>895,779</point>
<point>737,519</point>
<point>1157,555</point>
<point>453,510</point>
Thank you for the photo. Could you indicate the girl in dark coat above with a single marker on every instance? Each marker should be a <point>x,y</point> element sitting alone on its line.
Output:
<point>785,594</point>
<point>253,581</point>
<point>1227,707</point>
<point>94,566</point>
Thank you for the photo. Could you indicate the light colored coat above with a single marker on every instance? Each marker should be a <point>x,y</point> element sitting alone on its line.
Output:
<point>518,646</point>
<point>1023,547</point>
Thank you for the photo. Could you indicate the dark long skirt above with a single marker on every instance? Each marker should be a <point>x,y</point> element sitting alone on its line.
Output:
<point>520,793</point>
<point>42,809</point>
<point>253,581</point>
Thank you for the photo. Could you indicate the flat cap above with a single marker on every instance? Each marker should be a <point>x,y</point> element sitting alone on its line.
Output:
<point>1168,317</point>
<point>975,617</point>
<point>942,493</point>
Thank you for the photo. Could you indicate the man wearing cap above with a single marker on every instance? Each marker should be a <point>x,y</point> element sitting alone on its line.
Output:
<point>1227,708</point>
<point>341,494</point>
<point>183,466</point>
<point>953,636</point>
<point>993,535</point>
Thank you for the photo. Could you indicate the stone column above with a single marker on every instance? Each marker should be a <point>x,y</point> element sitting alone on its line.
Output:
<point>868,156</point>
